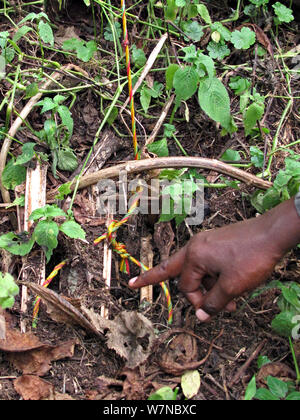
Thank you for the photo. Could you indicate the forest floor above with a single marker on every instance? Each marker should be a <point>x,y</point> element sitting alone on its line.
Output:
<point>35,365</point>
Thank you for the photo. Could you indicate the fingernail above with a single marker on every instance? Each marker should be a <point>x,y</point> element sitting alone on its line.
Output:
<point>201,315</point>
<point>132,281</point>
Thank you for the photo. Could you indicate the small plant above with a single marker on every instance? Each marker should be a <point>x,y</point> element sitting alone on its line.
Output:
<point>285,186</point>
<point>84,50</point>
<point>57,135</point>
<point>276,390</point>
<point>8,289</point>
<point>164,394</point>
<point>45,233</point>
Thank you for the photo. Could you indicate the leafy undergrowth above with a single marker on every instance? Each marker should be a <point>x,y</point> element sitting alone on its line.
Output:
<point>230,73</point>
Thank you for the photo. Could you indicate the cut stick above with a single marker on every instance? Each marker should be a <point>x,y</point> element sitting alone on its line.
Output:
<point>146,258</point>
<point>148,67</point>
<point>35,197</point>
<point>134,167</point>
<point>107,260</point>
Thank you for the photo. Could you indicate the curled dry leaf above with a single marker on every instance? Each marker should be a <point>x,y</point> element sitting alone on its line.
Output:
<point>131,337</point>
<point>31,387</point>
<point>276,369</point>
<point>29,355</point>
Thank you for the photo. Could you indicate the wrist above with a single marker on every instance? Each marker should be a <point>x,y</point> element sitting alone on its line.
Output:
<point>283,224</point>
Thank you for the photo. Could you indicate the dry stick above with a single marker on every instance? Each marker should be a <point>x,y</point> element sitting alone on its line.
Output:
<point>147,68</point>
<point>146,258</point>
<point>107,259</point>
<point>134,167</point>
<point>35,197</point>
<point>18,122</point>
<point>245,366</point>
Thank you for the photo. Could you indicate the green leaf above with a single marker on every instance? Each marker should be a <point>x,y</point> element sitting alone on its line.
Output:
<point>47,104</point>
<point>86,52</point>
<point>31,90</point>
<point>108,35</point>
<point>231,156</point>
<point>63,191</point>
<point>66,117</point>
<point>265,395</point>
<point>293,396</point>
<point>45,234</point>
<point>204,13</point>
<point>257,157</point>
<point>159,148</point>
<point>222,30</point>
<point>67,160</point>
<point>138,57</point>
<point>214,101</point>
<point>243,39</point>
<point>27,153</point>
<point>277,387</point>
<point>206,64</point>
<point>45,32</point>
<point>13,175</point>
<point>170,72</point>
<point>15,244</point>
<point>252,114</point>
<point>185,83</point>
<point>283,13</point>
<point>217,50</point>
<point>8,289</point>
<point>251,390</point>
<point>21,32</point>
<point>291,296</point>
<point>271,199</point>
<point>283,323</point>
<point>165,393</point>
<point>48,211</point>
<point>190,383</point>
<point>145,98</point>
<point>193,30</point>
<point>239,85</point>
<point>72,229</point>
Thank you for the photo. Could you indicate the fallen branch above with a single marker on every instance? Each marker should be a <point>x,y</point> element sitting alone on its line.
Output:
<point>134,167</point>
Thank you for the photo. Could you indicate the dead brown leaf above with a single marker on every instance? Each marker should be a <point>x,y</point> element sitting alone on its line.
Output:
<point>31,387</point>
<point>262,38</point>
<point>276,369</point>
<point>131,337</point>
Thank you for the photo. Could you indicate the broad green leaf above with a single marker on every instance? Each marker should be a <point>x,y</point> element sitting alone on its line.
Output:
<point>252,114</point>
<point>239,84</point>
<point>145,98</point>
<point>171,10</point>
<point>277,387</point>
<point>48,211</point>
<point>72,44</point>
<point>46,33</point>
<point>47,104</point>
<point>204,13</point>
<point>257,157</point>
<point>180,3</point>
<point>283,323</point>
<point>205,62</point>
<point>63,191</point>
<point>265,395</point>
<point>45,234</point>
<point>8,289</point>
<point>67,160</point>
<point>231,156</point>
<point>165,393</point>
<point>190,383</point>
<point>66,117</point>
<point>108,34</point>
<point>86,52</point>
<point>138,57</point>
<point>193,30</point>
<point>271,199</point>
<point>283,13</point>
<point>214,101</point>
<point>27,153</point>
<point>21,32</point>
<point>13,175</point>
<point>243,39</point>
<point>251,390</point>
<point>170,72</point>
<point>217,50</point>
<point>222,30</point>
<point>291,296</point>
<point>72,229</point>
<point>293,396</point>
<point>31,90</point>
<point>185,83</point>
<point>15,244</point>
<point>159,148</point>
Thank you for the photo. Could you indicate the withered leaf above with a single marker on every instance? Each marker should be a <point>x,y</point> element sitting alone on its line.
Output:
<point>31,387</point>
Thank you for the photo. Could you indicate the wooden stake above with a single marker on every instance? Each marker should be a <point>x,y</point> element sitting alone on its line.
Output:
<point>146,258</point>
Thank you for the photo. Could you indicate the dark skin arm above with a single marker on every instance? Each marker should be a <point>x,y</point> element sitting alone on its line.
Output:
<point>229,261</point>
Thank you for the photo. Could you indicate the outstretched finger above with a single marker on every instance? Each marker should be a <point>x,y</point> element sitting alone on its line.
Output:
<point>170,268</point>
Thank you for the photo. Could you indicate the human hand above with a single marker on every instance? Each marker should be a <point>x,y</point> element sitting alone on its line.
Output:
<point>219,265</point>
